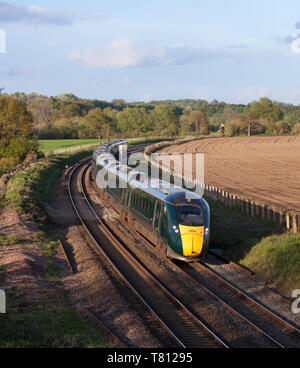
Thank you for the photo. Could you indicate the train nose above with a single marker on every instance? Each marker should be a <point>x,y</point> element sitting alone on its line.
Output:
<point>192,240</point>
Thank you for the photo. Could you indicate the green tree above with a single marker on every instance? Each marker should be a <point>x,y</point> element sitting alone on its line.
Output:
<point>199,122</point>
<point>96,125</point>
<point>250,119</point>
<point>266,109</point>
<point>16,140</point>
<point>165,120</point>
<point>134,121</point>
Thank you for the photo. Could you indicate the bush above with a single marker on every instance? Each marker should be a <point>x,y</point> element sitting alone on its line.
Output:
<point>280,127</point>
<point>235,128</point>
<point>296,129</point>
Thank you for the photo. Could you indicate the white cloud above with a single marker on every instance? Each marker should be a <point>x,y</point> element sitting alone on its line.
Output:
<point>12,13</point>
<point>124,53</point>
<point>16,13</point>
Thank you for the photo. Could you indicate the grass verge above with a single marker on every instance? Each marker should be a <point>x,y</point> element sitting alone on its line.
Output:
<point>52,323</point>
<point>28,188</point>
<point>269,251</point>
<point>277,258</point>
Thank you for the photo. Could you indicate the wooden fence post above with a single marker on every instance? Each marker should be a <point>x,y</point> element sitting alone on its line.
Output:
<point>252,208</point>
<point>295,223</point>
<point>288,222</point>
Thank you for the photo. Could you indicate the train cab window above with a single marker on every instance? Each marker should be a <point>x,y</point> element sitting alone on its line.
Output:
<point>190,215</point>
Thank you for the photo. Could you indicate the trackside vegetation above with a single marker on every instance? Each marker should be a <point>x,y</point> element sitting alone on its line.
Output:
<point>51,321</point>
<point>277,258</point>
<point>258,244</point>
<point>28,188</point>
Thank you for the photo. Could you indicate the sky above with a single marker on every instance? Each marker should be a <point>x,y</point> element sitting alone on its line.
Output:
<point>230,50</point>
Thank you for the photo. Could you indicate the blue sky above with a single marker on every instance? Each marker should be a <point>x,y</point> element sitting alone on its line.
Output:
<point>231,50</point>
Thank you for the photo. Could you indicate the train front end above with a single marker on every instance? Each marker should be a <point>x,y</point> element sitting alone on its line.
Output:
<point>188,219</point>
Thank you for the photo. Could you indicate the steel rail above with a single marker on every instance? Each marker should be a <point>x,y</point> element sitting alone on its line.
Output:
<point>111,237</point>
<point>213,295</point>
<point>238,291</point>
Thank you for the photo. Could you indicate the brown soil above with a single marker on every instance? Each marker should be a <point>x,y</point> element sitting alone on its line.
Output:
<point>25,264</point>
<point>265,169</point>
<point>13,223</point>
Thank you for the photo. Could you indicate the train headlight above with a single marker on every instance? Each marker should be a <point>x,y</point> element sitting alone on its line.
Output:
<point>206,232</point>
<point>176,230</point>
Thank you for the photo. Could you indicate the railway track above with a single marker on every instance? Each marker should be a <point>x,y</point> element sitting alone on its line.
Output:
<point>234,311</point>
<point>279,332</point>
<point>276,330</point>
<point>239,304</point>
<point>177,320</point>
<point>271,324</point>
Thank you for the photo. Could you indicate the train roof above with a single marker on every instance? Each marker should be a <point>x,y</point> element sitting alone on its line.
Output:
<point>156,187</point>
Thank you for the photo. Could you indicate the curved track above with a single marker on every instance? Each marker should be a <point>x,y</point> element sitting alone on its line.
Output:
<point>177,320</point>
<point>278,331</point>
<point>273,327</point>
<point>166,307</point>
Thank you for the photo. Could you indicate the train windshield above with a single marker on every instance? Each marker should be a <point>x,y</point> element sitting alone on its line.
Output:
<point>190,216</point>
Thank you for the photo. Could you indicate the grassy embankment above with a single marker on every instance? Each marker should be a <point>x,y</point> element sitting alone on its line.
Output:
<point>52,322</point>
<point>270,252</point>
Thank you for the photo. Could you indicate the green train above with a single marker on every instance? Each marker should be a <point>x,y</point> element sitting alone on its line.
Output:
<point>176,224</point>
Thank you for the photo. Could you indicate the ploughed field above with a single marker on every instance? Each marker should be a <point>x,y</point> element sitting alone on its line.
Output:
<point>264,169</point>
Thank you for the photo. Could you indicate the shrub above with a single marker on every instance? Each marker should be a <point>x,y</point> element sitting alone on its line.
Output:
<point>296,129</point>
<point>235,128</point>
<point>279,127</point>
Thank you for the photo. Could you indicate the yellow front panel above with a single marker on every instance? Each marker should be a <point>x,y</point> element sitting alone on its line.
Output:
<point>192,240</point>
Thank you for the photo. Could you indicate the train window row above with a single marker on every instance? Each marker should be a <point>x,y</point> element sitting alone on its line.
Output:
<point>142,204</point>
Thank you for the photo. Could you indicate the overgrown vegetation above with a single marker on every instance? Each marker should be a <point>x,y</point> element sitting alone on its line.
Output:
<point>269,251</point>
<point>277,258</point>
<point>28,188</point>
<point>51,321</point>
<point>16,140</point>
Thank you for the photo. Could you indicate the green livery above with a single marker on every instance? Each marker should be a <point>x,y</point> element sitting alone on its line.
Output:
<point>153,208</point>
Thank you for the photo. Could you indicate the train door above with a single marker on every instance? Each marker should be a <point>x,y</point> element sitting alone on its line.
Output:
<point>156,218</point>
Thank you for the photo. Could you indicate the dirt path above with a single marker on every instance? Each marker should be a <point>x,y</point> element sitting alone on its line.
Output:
<point>265,169</point>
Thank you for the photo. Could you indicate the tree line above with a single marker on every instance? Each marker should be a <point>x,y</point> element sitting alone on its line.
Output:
<point>24,118</point>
